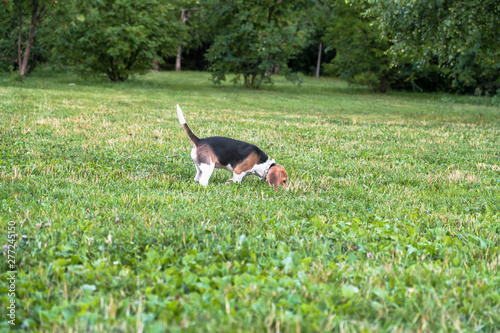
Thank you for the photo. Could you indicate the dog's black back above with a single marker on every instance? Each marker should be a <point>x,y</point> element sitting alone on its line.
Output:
<point>231,151</point>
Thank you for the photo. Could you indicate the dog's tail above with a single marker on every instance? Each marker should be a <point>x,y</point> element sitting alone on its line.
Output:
<point>191,135</point>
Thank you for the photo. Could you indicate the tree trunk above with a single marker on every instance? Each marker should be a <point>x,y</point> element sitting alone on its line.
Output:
<point>36,15</point>
<point>178,59</point>
<point>20,40</point>
<point>32,65</point>
<point>184,18</point>
<point>385,81</point>
<point>318,65</point>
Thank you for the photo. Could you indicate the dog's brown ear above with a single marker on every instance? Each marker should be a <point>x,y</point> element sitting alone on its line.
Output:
<point>272,178</point>
<point>277,176</point>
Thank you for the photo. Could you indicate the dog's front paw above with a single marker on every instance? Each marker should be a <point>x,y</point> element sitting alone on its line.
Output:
<point>229,181</point>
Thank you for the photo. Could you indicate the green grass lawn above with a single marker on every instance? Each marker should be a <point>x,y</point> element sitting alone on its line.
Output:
<point>391,221</point>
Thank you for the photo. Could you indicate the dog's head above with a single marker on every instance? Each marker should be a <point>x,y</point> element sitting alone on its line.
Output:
<point>277,176</point>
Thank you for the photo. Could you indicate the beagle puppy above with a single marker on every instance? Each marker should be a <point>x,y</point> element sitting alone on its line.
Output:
<point>235,156</point>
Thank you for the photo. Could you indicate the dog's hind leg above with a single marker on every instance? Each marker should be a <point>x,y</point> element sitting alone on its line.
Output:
<point>206,172</point>
<point>198,172</point>
<point>195,161</point>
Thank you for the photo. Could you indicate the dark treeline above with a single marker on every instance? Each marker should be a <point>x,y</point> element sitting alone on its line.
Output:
<point>419,45</point>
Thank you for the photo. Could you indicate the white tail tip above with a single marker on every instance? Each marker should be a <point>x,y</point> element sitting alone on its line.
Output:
<point>180,115</point>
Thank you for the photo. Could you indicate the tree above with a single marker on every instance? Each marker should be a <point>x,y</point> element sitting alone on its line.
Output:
<point>186,14</point>
<point>254,37</point>
<point>15,13</point>
<point>117,37</point>
<point>313,21</point>
<point>184,18</point>
<point>462,35</point>
<point>8,37</point>
<point>361,57</point>
<point>319,17</point>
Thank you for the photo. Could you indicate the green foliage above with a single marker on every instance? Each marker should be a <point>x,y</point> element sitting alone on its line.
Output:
<point>253,38</point>
<point>116,38</point>
<point>9,35</point>
<point>391,222</point>
<point>469,74</point>
<point>198,30</point>
<point>428,77</point>
<point>313,20</point>
<point>361,53</point>
<point>462,35</point>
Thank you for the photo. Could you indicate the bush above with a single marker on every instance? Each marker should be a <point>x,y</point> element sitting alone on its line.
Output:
<point>117,38</point>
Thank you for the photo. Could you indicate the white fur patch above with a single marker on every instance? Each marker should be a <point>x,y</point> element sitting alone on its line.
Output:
<point>206,172</point>
<point>227,167</point>
<point>261,169</point>
<point>180,115</point>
